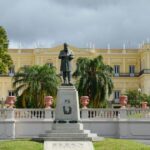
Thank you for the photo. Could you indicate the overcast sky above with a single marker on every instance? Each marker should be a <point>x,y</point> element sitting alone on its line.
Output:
<point>82,23</point>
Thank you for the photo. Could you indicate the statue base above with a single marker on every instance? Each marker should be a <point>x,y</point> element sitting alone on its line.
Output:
<point>67,104</point>
<point>67,131</point>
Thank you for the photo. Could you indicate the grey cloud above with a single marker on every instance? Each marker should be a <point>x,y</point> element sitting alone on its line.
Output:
<point>79,22</point>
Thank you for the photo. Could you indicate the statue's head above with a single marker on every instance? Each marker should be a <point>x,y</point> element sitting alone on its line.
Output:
<point>65,46</point>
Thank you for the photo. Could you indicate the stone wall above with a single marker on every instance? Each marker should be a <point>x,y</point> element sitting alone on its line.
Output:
<point>119,124</point>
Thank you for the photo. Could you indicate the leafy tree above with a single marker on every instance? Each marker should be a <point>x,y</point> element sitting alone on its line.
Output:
<point>94,79</point>
<point>5,59</point>
<point>33,83</point>
<point>135,97</point>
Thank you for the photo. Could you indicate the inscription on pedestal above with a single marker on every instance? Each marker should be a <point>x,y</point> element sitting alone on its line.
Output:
<point>73,145</point>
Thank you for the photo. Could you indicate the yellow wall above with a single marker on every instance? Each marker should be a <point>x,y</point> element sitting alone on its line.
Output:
<point>5,86</point>
<point>140,58</point>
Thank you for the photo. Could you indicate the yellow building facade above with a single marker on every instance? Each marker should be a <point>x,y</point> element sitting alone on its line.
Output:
<point>131,66</point>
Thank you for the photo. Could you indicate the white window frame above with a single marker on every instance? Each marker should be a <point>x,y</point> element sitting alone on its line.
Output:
<point>11,93</point>
<point>132,70</point>
<point>11,71</point>
<point>116,70</point>
<point>117,94</point>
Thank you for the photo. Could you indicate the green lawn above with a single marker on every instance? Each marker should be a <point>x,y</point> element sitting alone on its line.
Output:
<point>119,144</point>
<point>107,144</point>
<point>20,145</point>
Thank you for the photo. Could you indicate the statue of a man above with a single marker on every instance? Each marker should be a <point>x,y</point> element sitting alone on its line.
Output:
<point>66,56</point>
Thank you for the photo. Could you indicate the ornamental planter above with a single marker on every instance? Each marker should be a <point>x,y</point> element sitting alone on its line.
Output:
<point>48,101</point>
<point>123,101</point>
<point>84,101</point>
<point>10,101</point>
<point>144,105</point>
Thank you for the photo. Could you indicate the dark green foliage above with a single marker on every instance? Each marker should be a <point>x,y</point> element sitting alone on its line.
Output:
<point>94,79</point>
<point>5,59</point>
<point>33,83</point>
<point>135,98</point>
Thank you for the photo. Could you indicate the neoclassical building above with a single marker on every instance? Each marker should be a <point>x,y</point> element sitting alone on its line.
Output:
<point>131,66</point>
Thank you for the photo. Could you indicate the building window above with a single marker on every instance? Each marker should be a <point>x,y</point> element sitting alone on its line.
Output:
<point>116,70</point>
<point>26,66</point>
<point>11,71</point>
<point>11,93</point>
<point>49,64</point>
<point>116,96</point>
<point>131,70</point>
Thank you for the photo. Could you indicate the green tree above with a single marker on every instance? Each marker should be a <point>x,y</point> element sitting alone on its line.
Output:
<point>135,97</point>
<point>31,84</point>
<point>94,79</point>
<point>5,59</point>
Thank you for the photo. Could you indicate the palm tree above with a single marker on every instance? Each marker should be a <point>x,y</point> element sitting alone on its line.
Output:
<point>94,79</point>
<point>33,83</point>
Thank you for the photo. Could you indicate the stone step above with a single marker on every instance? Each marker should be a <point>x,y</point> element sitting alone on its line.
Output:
<point>68,135</point>
<point>92,135</point>
<point>87,131</point>
<point>66,139</point>
<point>97,138</point>
<point>68,126</point>
<point>65,131</point>
<point>68,131</point>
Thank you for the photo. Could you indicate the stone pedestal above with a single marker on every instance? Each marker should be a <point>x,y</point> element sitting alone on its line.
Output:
<point>67,105</point>
<point>67,145</point>
<point>67,131</point>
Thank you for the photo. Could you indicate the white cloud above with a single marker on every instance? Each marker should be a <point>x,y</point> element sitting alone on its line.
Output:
<point>77,22</point>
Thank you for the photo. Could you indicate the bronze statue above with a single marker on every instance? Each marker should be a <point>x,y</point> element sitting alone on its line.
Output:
<point>66,56</point>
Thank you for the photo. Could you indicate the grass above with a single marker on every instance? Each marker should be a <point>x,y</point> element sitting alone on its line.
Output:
<point>20,145</point>
<point>107,144</point>
<point>119,144</point>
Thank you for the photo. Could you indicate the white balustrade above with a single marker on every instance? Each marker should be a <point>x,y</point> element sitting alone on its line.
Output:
<point>100,113</point>
<point>29,114</point>
<point>138,113</point>
<point>37,114</point>
<point>3,113</point>
<point>89,113</point>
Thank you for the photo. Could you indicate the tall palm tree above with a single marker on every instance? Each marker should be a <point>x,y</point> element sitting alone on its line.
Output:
<point>31,84</point>
<point>94,79</point>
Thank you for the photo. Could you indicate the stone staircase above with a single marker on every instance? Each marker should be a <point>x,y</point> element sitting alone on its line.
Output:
<point>69,132</point>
